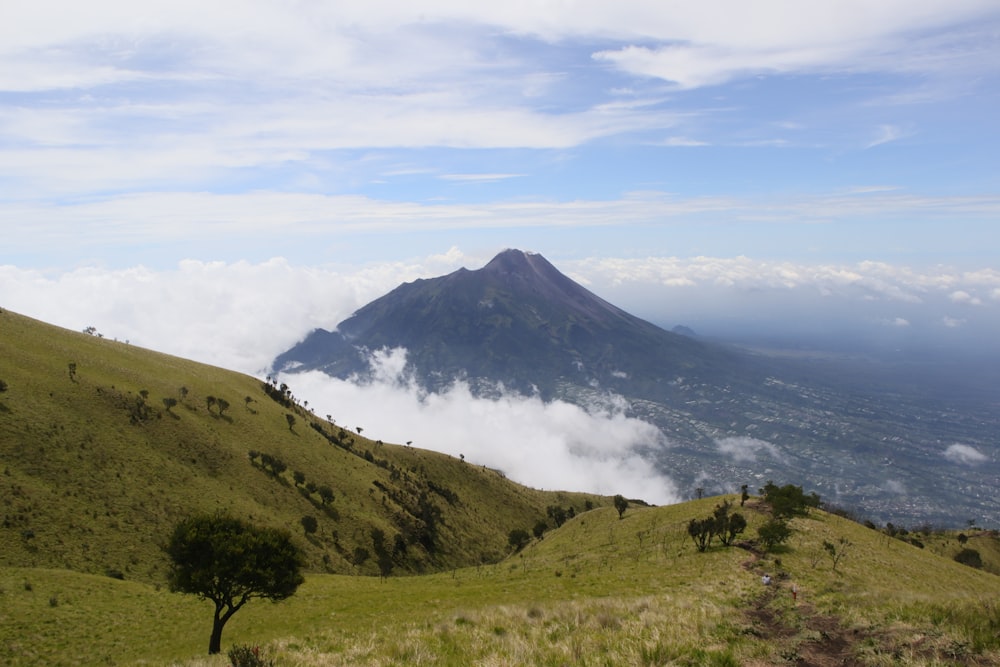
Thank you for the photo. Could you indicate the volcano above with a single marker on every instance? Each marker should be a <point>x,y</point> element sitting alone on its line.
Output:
<point>517,322</point>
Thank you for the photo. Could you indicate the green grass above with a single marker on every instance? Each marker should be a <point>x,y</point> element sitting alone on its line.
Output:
<point>598,591</point>
<point>86,486</point>
<point>86,491</point>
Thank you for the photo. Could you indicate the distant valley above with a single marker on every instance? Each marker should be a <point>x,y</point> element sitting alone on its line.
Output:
<point>898,441</point>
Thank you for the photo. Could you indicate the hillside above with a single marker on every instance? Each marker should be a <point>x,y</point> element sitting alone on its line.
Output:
<point>597,591</point>
<point>104,446</point>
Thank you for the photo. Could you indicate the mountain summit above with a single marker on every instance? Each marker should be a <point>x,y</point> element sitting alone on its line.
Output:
<point>516,321</point>
<point>728,416</point>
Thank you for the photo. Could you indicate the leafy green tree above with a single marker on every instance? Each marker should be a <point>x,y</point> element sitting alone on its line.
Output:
<point>773,532</point>
<point>3,386</point>
<point>223,405</point>
<point>230,562</point>
<point>169,403</point>
<point>518,538</point>
<point>621,504</point>
<point>210,402</point>
<point>701,532</point>
<point>298,477</point>
<point>727,526</point>
<point>789,500</point>
<point>970,557</point>
<point>744,495</point>
<point>557,514</point>
<point>290,418</point>
<point>325,494</point>
<point>539,529</point>
<point>309,524</point>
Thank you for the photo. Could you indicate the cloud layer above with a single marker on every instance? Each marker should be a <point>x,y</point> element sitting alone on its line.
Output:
<point>544,445</point>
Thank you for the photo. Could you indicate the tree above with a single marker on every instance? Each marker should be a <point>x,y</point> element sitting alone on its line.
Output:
<point>230,562</point>
<point>836,551</point>
<point>970,557</point>
<point>309,524</point>
<point>298,477</point>
<point>744,495</point>
<point>727,526</point>
<point>557,514</point>
<point>539,530</point>
<point>169,403</point>
<point>290,418</point>
<point>621,504</point>
<point>325,494</point>
<point>774,532</point>
<point>518,538</point>
<point>701,532</point>
<point>788,500</point>
<point>223,405</point>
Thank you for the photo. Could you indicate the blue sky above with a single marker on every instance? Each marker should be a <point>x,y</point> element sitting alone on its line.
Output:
<point>824,131</point>
<point>742,143</point>
<point>214,179</point>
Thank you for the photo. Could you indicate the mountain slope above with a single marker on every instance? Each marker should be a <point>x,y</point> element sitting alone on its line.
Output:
<point>95,468</point>
<point>869,441</point>
<point>517,321</point>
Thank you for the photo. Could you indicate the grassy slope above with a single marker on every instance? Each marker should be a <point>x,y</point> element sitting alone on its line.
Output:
<point>98,492</point>
<point>86,487</point>
<point>598,591</point>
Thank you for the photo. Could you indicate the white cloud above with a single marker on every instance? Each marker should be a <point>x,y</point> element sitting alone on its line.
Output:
<point>543,445</point>
<point>886,134</point>
<point>241,315</point>
<point>746,449</point>
<point>964,454</point>
<point>961,296</point>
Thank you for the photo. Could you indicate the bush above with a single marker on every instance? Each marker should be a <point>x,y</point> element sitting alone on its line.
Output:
<point>970,557</point>
<point>243,655</point>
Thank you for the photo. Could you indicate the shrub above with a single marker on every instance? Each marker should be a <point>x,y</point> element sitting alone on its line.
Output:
<point>970,557</point>
<point>243,655</point>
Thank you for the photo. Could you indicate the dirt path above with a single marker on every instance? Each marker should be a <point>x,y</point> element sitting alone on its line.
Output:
<point>807,637</point>
<point>802,634</point>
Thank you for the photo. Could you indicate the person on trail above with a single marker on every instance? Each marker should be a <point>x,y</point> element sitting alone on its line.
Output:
<point>795,592</point>
<point>766,580</point>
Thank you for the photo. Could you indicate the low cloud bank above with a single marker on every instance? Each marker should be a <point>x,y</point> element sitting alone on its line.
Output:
<point>556,445</point>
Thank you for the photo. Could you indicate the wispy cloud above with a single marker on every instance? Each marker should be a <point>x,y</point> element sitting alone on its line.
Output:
<point>964,454</point>
<point>747,449</point>
<point>479,178</point>
<point>886,134</point>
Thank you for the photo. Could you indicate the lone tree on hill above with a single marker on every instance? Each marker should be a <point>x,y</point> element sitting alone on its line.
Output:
<point>230,562</point>
<point>621,504</point>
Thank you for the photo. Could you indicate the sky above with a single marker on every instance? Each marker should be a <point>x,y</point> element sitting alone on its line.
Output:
<point>216,179</point>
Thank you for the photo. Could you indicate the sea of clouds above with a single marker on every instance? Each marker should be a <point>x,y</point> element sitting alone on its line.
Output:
<point>241,315</point>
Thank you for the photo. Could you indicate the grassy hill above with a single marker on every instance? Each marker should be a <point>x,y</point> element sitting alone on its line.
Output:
<point>104,447</point>
<point>95,470</point>
<point>598,591</point>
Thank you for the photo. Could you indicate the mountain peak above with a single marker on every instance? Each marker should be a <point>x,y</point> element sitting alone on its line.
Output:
<point>517,321</point>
